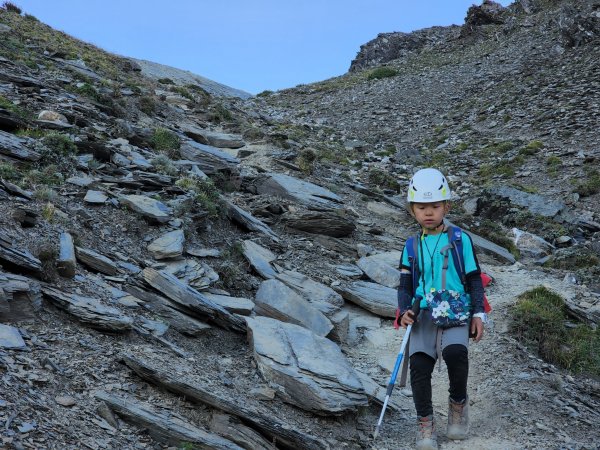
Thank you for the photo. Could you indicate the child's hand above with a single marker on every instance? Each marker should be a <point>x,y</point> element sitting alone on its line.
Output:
<point>408,318</point>
<point>476,328</point>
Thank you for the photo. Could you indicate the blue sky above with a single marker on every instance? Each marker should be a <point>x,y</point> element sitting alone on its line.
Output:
<point>252,45</point>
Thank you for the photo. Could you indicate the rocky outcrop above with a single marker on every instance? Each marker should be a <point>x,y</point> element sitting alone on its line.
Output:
<point>387,47</point>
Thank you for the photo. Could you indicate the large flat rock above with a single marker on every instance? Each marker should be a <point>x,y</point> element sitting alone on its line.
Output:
<point>148,207</point>
<point>378,269</point>
<point>308,371</point>
<point>320,296</point>
<point>307,194</point>
<point>373,297</point>
<point>275,299</point>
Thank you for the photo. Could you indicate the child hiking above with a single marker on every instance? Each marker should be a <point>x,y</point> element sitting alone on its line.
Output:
<point>439,269</point>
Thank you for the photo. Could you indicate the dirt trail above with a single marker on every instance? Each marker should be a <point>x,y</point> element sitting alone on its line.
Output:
<point>517,400</point>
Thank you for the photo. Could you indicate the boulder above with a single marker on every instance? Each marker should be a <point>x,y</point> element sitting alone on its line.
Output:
<point>236,305</point>
<point>320,222</point>
<point>307,194</point>
<point>373,297</point>
<point>20,148</point>
<point>207,158</point>
<point>307,370</point>
<point>148,207</point>
<point>66,263</point>
<point>320,296</point>
<point>260,258</point>
<point>95,197</point>
<point>96,261</point>
<point>169,245</point>
<point>530,245</point>
<point>275,299</point>
<point>378,269</point>
<point>10,338</point>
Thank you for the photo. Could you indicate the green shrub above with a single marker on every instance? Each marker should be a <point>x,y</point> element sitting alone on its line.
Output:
<point>31,18</point>
<point>147,105</point>
<point>165,141</point>
<point>572,261</point>
<point>207,196</point>
<point>9,172</point>
<point>58,151</point>
<point>162,164</point>
<point>165,81</point>
<point>540,322</point>
<point>306,160</point>
<point>498,148</point>
<point>590,185</point>
<point>553,162</point>
<point>11,7</point>
<point>532,148</point>
<point>183,92</point>
<point>48,176</point>
<point>383,179</point>
<point>266,93</point>
<point>46,194</point>
<point>89,91</point>
<point>382,72</point>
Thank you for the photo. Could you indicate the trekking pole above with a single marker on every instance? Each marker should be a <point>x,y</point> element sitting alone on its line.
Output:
<point>392,382</point>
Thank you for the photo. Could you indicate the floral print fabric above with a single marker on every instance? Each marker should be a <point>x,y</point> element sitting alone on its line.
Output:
<point>449,308</point>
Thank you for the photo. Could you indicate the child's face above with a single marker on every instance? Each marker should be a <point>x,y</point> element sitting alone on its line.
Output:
<point>430,215</point>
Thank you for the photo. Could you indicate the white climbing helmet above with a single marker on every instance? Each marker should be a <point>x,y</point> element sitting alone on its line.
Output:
<point>428,186</point>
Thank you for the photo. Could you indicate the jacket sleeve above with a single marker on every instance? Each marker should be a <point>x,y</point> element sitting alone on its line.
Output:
<point>405,292</point>
<point>475,289</point>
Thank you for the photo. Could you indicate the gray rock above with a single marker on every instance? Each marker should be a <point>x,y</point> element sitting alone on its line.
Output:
<point>320,296</point>
<point>328,223</point>
<point>307,370</point>
<point>96,261</point>
<point>11,338</point>
<point>20,148</point>
<point>148,207</point>
<point>214,138</point>
<point>308,194</point>
<point>377,269</point>
<point>535,203</point>
<point>260,258</point>
<point>208,159</point>
<point>66,263</point>
<point>95,197</point>
<point>90,311</point>
<point>237,305</point>
<point>275,299</point>
<point>197,274</point>
<point>530,245</point>
<point>373,297</point>
<point>169,245</point>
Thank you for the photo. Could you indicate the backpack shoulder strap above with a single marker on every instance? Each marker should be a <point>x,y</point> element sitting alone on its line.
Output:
<point>455,239</point>
<point>412,248</point>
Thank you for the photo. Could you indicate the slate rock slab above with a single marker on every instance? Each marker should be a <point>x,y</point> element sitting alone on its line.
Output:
<point>307,370</point>
<point>373,297</point>
<point>378,270</point>
<point>260,258</point>
<point>322,297</point>
<point>307,194</point>
<point>11,338</point>
<point>148,207</point>
<point>275,299</point>
<point>169,245</point>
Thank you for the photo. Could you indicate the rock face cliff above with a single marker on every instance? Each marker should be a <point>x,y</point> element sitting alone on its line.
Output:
<point>184,266</point>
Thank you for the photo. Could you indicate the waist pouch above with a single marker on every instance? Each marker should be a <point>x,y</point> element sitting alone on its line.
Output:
<point>449,308</point>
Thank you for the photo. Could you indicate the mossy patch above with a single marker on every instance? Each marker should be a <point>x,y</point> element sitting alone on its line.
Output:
<point>165,141</point>
<point>590,185</point>
<point>540,321</point>
<point>383,179</point>
<point>382,72</point>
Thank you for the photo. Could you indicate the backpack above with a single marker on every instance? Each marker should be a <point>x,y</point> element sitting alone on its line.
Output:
<point>455,241</point>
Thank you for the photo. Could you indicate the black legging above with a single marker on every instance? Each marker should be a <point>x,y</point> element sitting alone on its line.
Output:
<point>456,357</point>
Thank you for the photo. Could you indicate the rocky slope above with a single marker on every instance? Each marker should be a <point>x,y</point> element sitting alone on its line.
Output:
<point>185,269</point>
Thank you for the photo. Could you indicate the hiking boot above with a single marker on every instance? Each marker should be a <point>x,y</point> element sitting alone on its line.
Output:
<point>458,419</point>
<point>426,436</point>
